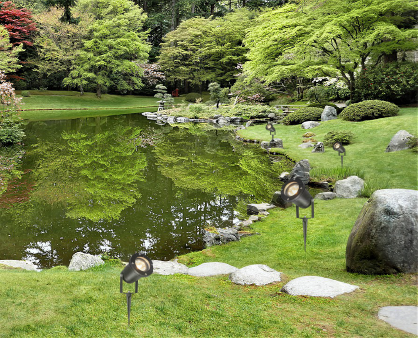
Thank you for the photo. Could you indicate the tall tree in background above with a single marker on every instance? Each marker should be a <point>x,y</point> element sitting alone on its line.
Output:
<point>66,5</point>
<point>8,53</point>
<point>116,44</point>
<point>336,37</point>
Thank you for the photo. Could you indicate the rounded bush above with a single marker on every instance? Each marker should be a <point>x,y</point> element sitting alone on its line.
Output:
<point>369,110</point>
<point>344,137</point>
<point>26,93</point>
<point>192,97</point>
<point>303,115</point>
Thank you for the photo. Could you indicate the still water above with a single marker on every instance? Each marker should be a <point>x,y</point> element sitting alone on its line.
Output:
<point>121,184</point>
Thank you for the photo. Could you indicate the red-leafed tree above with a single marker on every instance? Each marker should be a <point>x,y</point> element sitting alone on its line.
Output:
<point>18,22</point>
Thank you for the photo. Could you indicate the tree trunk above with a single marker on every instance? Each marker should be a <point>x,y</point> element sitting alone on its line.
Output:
<point>212,9</point>
<point>173,15</point>
<point>193,9</point>
<point>99,91</point>
<point>390,57</point>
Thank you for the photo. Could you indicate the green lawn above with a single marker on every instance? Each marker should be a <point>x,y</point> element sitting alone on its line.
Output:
<point>58,303</point>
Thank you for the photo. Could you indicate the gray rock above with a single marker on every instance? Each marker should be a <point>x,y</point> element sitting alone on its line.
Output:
<point>317,287</point>
<point>26,265</point>
<point>278,201</point>
<point>306,145</point>
<point>211,269</point>
<point>254,209</point>
<point>222,236</point>
<point>83,261</point>
<point>401,317</point>
<point>254,218</point>
<point>257,274</point>
<point>302,171</point>
<point>329,113</point>
<point>284,176</point>
<point>325,195</point>
<point>318,148</point>
<point>264,145</point>
<point>182,120</point>
<point>384,239</point>
<point>309,124</point>
<point>171,119</point>
<point>399,141</point>
<point>350,187</point>
<point>236,119</point>
<point>249,123</point>
<point>169,268</point>
<point>276,143</point>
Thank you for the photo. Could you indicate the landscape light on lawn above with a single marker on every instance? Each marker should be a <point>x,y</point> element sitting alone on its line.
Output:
<point>341,151</point>
<point>294,191</point>
<point>270,127</point>
<point>139,266</point>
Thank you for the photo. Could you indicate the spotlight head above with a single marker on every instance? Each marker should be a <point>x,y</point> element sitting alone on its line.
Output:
<point>139,266</point>
<point>270,127</point>
<point>339,147</point>
<point>294,191</point>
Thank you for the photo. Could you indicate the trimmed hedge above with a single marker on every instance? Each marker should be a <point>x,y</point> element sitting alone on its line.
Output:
<point>303,115</point>
<point>192,97</point>
<point>322,105</point>
<point>344,137</point>
<point>369,110</point>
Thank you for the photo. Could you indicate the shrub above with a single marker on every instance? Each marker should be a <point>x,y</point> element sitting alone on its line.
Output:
<point>412,143</point>
<point>369,110</point>
<point>10,133</point>
<point>396,82</point>
<point>26,93</point>
<point>192,97</point>
<point>302,115</point>
<point>197,110</point>
<point>318,94</point>
<point>247,111</point>
<point>344,137</point>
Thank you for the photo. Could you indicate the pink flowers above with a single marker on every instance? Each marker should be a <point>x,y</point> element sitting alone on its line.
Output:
<point>7,94</point>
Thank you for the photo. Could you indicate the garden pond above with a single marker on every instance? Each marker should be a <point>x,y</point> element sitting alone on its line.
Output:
<point>121,184</point>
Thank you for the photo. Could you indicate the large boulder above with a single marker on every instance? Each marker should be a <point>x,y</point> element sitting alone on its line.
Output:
<point>399,141</point>
<point>83,261</point>
<point>384,239</point>
<point>276,143</point>
<point>350,187</point>
<point>279,201</point>
<point>329,113</point>
<point>302,171</point>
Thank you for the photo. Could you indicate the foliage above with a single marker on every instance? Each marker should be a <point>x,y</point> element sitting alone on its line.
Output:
<point>368,110</point>
<point>151,77</point>
<point>330,38</point>
<point>217,94</point>
<point>58,46</point>
<point>8,100</point>
<point>324,104</point>
<point>192,97</point>
<point>334,174</point>
<point>116,40</point>
<point>8,54</point>
<point>396,82</point>
<point>318,94</point>
<point>65,4</point>
<point>10,133</point>
<point>163,95</point>
<point>203,49</point>
<point>412,143</point>
<point>302,115</point>
<point>18,22</point>
<point>26,93</point>
<point>344,137</point>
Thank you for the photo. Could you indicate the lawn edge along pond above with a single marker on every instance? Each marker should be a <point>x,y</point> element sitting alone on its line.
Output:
<point>89,304</point>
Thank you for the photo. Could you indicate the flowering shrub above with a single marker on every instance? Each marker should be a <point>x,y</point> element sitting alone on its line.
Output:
<point>8,100</point>
<point>396,82</point>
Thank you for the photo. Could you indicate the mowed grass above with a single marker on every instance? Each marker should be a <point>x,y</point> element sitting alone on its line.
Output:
<point>366,153</point>
<point>59,303</point>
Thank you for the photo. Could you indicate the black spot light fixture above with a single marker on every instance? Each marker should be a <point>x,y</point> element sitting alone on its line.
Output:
<point>341,151</point>
<point>270,127</point>
<point>139,266</point>
<point>294,191</point>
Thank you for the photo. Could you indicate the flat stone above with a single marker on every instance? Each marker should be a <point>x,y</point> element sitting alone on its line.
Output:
<point>211,269</point>
<point>309,124</point>
<point>169,268</point>
<point>306,145</point>
<point>83,261</point>
<point>257,274</point>
<point>325,195</point>
<point>254,209</point>
<point>26,265</point>
<point>401,317</point>
<point>317,287</point>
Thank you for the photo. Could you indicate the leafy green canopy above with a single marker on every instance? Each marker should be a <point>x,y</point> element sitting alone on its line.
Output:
<point>335,37</point>
<point>115,41</point>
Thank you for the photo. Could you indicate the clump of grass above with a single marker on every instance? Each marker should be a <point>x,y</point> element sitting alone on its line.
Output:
<point>372,185</point>
<point>334,174</point>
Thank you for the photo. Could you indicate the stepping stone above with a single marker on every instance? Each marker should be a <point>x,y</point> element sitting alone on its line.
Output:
<point>211,269</point>
<point>169,268</point>
<point>26,265</point>
<point>401,317</point>
<point>317,287</point>
<point>257,274</point>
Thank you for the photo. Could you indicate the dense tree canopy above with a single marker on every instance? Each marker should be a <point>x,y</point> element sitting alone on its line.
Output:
<point>116,40</point>
<point>8,53</point>
<point>336,37</point>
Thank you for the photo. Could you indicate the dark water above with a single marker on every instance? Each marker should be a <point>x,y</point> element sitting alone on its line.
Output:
<point>121,184</point>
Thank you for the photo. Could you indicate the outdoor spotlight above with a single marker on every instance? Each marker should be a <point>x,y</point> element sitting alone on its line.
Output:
<point>341,151</point>
<point>139,266</point>
<point>270,127</point>
<point>294,191</point>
